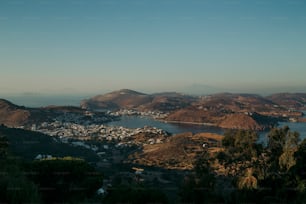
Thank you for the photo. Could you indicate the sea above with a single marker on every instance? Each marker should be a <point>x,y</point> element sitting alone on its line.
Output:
<point>39,100</point>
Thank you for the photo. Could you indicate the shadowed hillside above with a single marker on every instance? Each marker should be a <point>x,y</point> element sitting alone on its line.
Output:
<point>28,144</point>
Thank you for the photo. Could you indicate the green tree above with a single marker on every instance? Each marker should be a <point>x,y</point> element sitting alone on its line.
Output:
<point>282,143</point>
<point>280,161</point>
<point>286,159</point>
<point>240,145</point>
<point>299,171</point>
<point>300,156</point>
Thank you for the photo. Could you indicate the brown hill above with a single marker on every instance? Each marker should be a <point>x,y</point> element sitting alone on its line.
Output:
<point>168,102</point>
<point>229,111</point>
<point>177,152</point>
<point>195,115</point>
<point>123,98</point>
<point>240,121</point>
<point>130,99</point>
<point>236,103</point>
<point>13,115</point>
<point>289,100</point>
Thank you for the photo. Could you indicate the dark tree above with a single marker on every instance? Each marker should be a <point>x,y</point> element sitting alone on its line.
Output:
<point>282,144</point>
<point>199,187</point>
<point>3,146</point>
<point>134,194</point>
<point>15,187</point>
<point>65,180</point>
<point>240,145</point>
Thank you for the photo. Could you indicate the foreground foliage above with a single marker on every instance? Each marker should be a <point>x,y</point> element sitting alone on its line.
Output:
<point>253,173</point>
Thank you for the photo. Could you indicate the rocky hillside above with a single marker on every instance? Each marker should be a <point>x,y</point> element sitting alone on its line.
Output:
<point>234,111</point>
<point>13,115</point>
<point>289,100</point>
<point>178,151</point>
<point>252,121</point>
<point>129,99</point>
<point>167,102</point>
<point>124,98</point>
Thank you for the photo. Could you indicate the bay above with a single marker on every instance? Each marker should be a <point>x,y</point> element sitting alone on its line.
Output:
<point>176,128</point>
<point>173,128</point>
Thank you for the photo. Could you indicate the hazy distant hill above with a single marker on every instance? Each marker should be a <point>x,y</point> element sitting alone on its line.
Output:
<point>291,100</point>
<point>126,98</point>
<point>169,101</point>
<point>123,98</point>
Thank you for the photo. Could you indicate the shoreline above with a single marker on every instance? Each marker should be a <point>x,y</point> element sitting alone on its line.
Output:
<point>191,123</point>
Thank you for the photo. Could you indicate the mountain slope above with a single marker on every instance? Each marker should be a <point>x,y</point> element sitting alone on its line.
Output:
<point>130,99</point>
<point>28,144</point>
<point>289,100</point>
<point>123,98</point>
<point>13,115</point>
<point>178,151</point>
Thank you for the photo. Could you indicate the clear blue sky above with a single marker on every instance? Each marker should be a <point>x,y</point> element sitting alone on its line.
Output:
<point>74,46</point>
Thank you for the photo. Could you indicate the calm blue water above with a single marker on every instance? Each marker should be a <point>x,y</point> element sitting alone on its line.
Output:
<point>174,128</point>
<point>139,122</point>
<point>44,100</point>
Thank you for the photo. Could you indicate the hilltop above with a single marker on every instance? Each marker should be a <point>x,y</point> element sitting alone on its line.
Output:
<point>11,114</point>
<point>129,99</point>
<point>123,98</point>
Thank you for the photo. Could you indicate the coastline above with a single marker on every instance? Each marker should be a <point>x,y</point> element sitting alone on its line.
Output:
<point>190,123</point>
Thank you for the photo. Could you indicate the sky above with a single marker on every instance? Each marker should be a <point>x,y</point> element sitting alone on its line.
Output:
<point>95,46</point>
